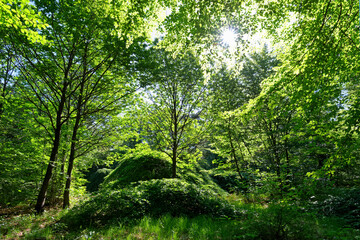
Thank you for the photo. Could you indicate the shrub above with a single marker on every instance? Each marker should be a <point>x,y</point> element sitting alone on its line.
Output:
<point>229,181</point>
<point>96,178</point>
<point>124,205</point>
<point>148,164</point>
<point>154,197</point>
<point>279,221</point>
<point>340,202</point>
<point>200,177</point>
<point>178,197</point>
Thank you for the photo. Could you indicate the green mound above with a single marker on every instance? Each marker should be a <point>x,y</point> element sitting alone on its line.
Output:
<point>149,164</point>
<point>153,198</point>
<point>139,166</point>
<point>141,185</point>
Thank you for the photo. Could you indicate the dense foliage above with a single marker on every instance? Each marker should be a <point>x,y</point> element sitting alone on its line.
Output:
<point>155,198</point>
<point>167,109</point>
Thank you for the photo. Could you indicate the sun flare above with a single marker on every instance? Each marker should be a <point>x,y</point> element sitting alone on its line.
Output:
<point>229,37</point>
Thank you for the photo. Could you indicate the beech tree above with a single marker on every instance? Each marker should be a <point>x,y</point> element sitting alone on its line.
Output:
<point>178,97</point>
<point>69,67</point>
<point>88,43</point>
<point>316,68</point>
<point>235,139</point>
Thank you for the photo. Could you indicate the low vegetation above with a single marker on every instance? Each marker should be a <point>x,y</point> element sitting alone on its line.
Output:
<point>179,119</point>
<point>166,208</point>
<point>256,222</point>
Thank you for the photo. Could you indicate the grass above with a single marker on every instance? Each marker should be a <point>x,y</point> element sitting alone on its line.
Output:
<point>28,224</point>
<point>167,227</point>
<point>259,222</point>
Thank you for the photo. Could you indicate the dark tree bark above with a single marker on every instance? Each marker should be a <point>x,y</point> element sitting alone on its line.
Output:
<point>56,143</point>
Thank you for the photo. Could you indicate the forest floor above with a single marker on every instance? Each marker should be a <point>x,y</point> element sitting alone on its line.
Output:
<point>260,222</point>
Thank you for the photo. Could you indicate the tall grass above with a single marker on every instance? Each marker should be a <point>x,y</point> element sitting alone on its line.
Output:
<point>168,227</point>
<point>259,222</point>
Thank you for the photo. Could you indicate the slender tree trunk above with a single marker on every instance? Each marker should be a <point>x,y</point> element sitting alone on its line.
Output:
<point>275,152</point>
<point>66,202</point>
<point>5,82</point>
<point>51,195</point>
<point>42,194</point>
<point>233,151</point>
<point>62,168</point>
<point>56,143</point>
<point>287,160</point>
<point>174,162</point>
<point>175,133</point>
<point>175,146</point>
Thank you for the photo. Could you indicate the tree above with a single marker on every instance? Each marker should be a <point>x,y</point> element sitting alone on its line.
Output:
<point>87,42</point>
<point>227,94</point>
<point>177,97</point>
<point>317,67</point>
<point>232,89</point>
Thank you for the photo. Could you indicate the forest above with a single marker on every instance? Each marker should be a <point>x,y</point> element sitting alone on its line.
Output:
<point>179,119</point>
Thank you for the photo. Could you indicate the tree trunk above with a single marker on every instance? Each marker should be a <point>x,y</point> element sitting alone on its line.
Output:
<point>42,194</point>
<point>233,151</point>
<point>174,162</point>
<point>175,133</point>
<point>56,143</point>
<point>66,202</point>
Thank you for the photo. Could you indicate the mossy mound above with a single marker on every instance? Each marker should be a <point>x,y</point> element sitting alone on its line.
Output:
<point>141,185</point>
<point>200,177</point>
<point>139,166</point>
<point>148,165</point>
<point>153,198</point>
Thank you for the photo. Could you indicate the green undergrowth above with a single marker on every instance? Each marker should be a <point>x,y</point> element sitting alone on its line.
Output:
<point>96,178</point>
<point>138,200</point>
<point>340,202</point>
<point>29,225</point>
<point>150,198</point>
<point>230,180</point>
<point>277,221</point>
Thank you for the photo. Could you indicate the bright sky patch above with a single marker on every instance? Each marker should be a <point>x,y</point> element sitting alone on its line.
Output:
<point>229,37</point>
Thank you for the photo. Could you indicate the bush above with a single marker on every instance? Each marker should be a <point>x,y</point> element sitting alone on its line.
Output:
<point>124,205</point>
<point>200,177</point>
<point>96,178</point>
<point>279,221</point>
<point>141,185</point>
<point>148,164</point>
<point>230,181</point>
<point>178,197</point>
<point>154,197</point>
<point>340,202</point>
